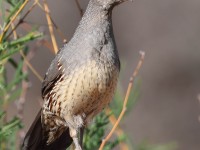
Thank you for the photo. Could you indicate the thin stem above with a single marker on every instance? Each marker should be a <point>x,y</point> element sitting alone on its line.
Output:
<point>54,23</point>
<point>30,66</point>
<point>22,19</point>
<point>12,20</point>
<point>130,86</point>
<point>119,132</point>
<point>79,7</point>
<point>50,25</point>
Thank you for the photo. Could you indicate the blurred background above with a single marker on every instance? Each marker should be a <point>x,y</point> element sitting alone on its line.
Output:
<point>169,32</point>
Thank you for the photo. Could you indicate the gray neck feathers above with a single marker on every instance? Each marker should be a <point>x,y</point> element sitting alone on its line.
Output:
<point>94,17</point>
<point>94,35</point>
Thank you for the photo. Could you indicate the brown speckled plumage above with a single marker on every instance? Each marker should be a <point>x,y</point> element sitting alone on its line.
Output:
<point>80,81</point>
<point>83,92</point>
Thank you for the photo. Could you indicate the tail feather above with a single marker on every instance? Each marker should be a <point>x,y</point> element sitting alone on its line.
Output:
<point>34,139</point>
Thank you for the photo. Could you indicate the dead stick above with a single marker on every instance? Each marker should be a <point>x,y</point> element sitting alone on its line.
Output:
<point>21,20</point>
<point>50,25</point>
<point>13,19</point>
<point>125,100</point>
<point>79,7</point>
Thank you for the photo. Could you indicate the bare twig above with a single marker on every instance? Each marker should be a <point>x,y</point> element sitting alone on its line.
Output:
<point>25,86</point>
<point>58,30</point>
<point>50,24</point>
<point>119,132</point>
<point>22,19</point>
<point>125,100</point>
<point>54,23</point>
<point>44,42</point>
<point>13,19</point>
<point>47,44</point>
<point>31,67</point>
<point>79,7</point>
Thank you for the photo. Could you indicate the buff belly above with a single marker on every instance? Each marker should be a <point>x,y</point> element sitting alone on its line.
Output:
<point>82,95</point>
<point>85,91</point>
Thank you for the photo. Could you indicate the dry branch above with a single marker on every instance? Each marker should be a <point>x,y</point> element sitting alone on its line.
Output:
<point>31,67</point>
<point>79,7</point>
<point>13,19</point>
<point>22,19</point>
<point>25,85</point>
<point>132,78</point>
<point>54,24</point>
<point>119,132</point>
<point>50,25</point>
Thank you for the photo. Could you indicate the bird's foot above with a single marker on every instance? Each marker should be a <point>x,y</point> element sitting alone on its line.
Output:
<point>78,148</point>
<point>76,143</point>
<point>74,135</point>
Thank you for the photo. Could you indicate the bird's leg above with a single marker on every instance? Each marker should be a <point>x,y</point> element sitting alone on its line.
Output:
<point>74,135</point>
<point>75,123</point>
<point>81,135</point>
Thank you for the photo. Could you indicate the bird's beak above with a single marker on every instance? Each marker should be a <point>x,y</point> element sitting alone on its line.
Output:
<point>127,0</point>
<point>121,1</point>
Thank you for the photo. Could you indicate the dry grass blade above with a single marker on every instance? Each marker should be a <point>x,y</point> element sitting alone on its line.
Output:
<point>50,25</point>
<point>25,85</point>
<point>125,100</point>
<point>31,67</point>
<point>26,60</point>
<point>43,42</point>
<point>54,23</point>
<point>47,44</point>
<point>22,19</point>
<point>58,30</point>
<point>119,132</point>
<point>13,19</point>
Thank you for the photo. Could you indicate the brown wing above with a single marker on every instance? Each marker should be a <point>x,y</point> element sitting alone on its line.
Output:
<point>53,74</point>
<point>34,139</point>
<point>55,70</point>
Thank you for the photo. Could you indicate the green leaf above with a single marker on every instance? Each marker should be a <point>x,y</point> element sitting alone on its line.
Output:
<point>9,127</point>
<point>2,113</point>
<point>16,81</point>
<point>18,76</point>
<point>15,7</point>
<point>3,46</point>
<point>2,8</point>
<point>15,94</point>
<point>13,63</point>
<point>29,37</point>
<point>96,131</point>
<point>7,54</point>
